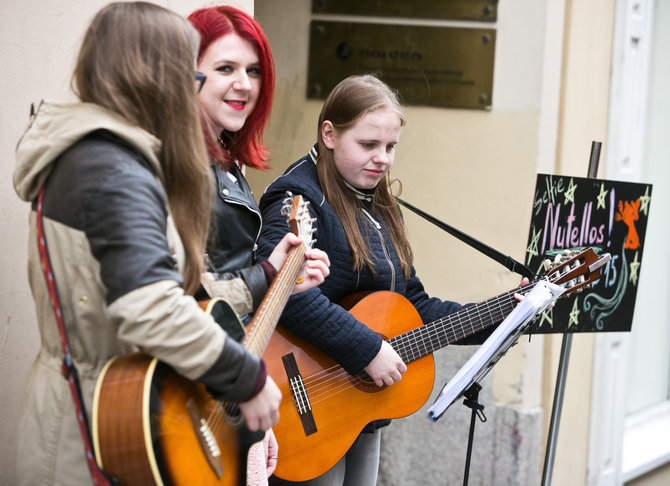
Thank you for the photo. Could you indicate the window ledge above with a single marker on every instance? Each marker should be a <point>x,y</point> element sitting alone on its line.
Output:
<point>646,443</point>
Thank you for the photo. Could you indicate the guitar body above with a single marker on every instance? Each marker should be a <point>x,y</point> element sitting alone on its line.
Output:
<point>152,426</point>
<point>147,428</point>
<point>324,408</point>
<point>341,405</point>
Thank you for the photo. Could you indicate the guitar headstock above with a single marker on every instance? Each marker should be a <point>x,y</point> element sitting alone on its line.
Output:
<point>296,210</point>
<point>576,270</point>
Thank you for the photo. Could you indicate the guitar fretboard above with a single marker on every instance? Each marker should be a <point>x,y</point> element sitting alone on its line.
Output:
<point>267,315</point>
<point>435,335</point>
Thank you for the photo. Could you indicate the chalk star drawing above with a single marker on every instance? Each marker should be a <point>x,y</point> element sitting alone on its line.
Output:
<point>570,193</point>
<point>574,315</point>
<point>644,202</point>
<point>634,269</point>
<point>532,248</point>
<point>548,317</point>
<point>601,197</point>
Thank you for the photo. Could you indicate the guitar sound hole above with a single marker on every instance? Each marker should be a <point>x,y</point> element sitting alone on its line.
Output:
<point>364,383</point>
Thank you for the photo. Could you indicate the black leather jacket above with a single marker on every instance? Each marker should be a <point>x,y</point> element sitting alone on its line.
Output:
<point>234,228</point>
<point>236,222</point>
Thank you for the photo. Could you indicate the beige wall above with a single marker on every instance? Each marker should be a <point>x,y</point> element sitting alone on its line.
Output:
<point>39,40</point>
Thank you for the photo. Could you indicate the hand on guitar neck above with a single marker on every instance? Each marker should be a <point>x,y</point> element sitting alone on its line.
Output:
<point>524,281</point>
<point>314,269</point>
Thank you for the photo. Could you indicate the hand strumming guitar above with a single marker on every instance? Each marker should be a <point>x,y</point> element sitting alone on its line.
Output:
<point>262,411</point>
<point>386,367</point>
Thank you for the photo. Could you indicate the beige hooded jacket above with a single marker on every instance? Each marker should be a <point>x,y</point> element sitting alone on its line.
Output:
<point>156,317</point>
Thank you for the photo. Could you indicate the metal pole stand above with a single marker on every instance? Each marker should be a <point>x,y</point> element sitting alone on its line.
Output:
<point>552,436</point>
<point>471,401</point>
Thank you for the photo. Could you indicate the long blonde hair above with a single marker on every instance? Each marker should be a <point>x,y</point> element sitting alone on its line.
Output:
<point>137,59</point>
<point>352,98</point>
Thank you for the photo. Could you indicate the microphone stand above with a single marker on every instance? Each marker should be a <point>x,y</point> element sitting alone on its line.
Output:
<point>471,401</point>
<point>472,393</point>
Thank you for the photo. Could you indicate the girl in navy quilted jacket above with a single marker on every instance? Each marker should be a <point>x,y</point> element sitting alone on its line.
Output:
<point>346,178</point>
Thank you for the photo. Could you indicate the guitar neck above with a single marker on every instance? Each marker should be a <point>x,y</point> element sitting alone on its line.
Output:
<point>267,315</point>
<point>426,339</point>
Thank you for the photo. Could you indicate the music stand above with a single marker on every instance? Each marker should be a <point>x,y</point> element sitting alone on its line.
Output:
<point>466,382</point>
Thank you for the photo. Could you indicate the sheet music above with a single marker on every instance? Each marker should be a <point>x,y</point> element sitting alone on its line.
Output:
<point>488,354</point>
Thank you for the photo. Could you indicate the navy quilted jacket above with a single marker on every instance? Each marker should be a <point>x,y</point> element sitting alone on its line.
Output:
<point>314,315</point>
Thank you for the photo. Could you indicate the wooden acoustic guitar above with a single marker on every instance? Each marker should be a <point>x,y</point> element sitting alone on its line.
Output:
<point>150,425</point>
<point>328,407</point>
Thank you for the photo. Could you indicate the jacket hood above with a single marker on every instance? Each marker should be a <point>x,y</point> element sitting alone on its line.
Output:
<point>56,127</point>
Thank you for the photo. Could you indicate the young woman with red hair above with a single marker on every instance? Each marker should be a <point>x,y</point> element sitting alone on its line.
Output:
<point>235,100</point>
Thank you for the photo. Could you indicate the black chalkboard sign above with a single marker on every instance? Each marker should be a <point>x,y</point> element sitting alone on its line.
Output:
<point>609,216</point>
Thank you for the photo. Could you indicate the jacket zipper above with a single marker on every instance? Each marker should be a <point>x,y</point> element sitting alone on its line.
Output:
<point>378,227</point>
<point>241,202</point>
<point>260,226</point>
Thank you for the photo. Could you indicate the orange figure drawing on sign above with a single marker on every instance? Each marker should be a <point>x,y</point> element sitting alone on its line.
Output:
<point>628,213</point>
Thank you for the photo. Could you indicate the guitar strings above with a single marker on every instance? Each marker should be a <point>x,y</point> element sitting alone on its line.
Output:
<point>410,338</point>
<point>435,333</point>
<point>260,330</point>
<point>338,381</point>
<point>326,383</point>
<point>334,380</point>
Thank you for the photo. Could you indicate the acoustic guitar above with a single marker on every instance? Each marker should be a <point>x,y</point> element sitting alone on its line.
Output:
<point>150,425</point>
<point>325,408</point>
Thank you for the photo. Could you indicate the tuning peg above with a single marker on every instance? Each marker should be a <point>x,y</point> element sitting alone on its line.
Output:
<point>288,200</point>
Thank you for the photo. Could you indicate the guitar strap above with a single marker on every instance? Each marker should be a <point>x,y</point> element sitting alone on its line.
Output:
<point>68,369</point>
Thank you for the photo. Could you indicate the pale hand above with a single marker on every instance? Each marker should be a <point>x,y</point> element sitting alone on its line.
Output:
<point>386,368</point>
<point>314,270</point>
<point>271,450</point>
<point>262,411</point>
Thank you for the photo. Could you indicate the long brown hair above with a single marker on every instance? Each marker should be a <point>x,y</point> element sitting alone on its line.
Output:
<point>352,98</point>
<point>137,60</point>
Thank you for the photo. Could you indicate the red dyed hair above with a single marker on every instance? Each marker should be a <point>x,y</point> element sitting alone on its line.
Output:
<point>245,146</point>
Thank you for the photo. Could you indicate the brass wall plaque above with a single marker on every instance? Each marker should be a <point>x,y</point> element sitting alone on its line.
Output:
<point>435,66</point>
<point>480,10</point>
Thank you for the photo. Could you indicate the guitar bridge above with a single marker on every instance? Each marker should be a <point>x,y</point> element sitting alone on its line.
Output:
<point>299,394</point>
<point>206,438</point>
